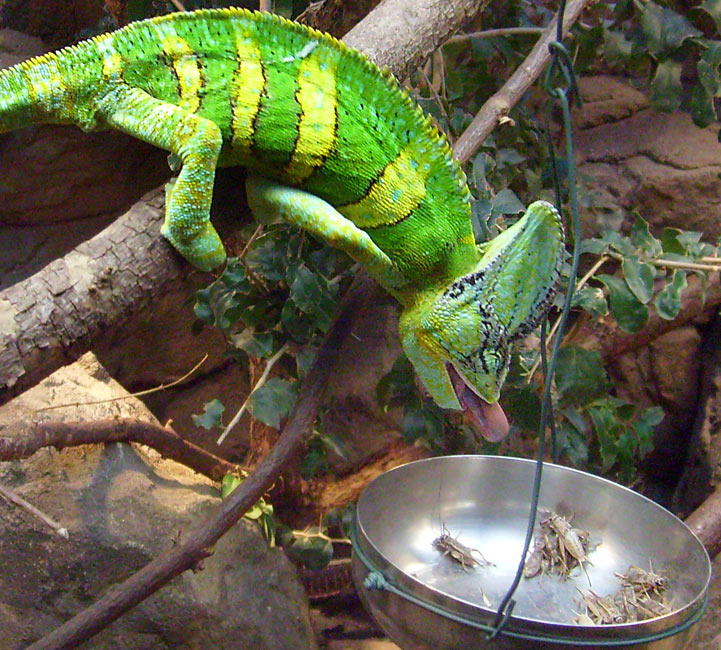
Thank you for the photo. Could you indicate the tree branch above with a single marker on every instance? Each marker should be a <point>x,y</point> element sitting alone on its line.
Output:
<point>27,440</point>
<point>519,82</point>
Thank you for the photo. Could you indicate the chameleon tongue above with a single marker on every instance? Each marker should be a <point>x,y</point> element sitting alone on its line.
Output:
<point>488,419</point>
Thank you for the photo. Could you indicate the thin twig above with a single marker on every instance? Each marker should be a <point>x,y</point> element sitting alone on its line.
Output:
<point>24,442</point>
<point>501,31</point>
<point>129,395</point>
<point>263,378</point>
<point>48,521</point>
<point>498,106</point>
<point>689,266</point>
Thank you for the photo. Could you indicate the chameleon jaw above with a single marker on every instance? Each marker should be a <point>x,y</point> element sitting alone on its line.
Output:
<point>488,419</point>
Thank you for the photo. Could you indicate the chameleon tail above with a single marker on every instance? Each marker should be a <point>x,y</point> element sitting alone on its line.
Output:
<point>43,90</point>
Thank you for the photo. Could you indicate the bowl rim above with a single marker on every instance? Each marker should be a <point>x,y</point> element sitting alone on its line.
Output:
<point>476,614</point>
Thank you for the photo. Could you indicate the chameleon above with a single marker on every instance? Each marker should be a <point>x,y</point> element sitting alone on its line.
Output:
<point>332,144</point>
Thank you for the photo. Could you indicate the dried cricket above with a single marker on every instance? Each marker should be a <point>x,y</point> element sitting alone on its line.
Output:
<point>640,597</point>
<point>557,545</point>
<point>462,554</point>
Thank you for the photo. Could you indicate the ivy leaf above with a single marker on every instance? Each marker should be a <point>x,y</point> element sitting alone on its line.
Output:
<point>572,442</point>
<point>642,238</point>
<point>524,406</point>
<point>665,30</point>
<point>668,300</point>
<point>702,109</point>
<point>211,417</point>
<point>670,241</point>
<point>713,9</point>
<point>229,483</point>
<point>607,429</point>
<point>666,95</point>
<point>617,49</point>
<point>630,314</point>
<point>313,552</point>
<point>256,344</point>
<point>639,278</point>
<point>506,202</point>
<point>644,428</point>
<point>272,401</point>
<point>616,241</point>
<point>708,68</point>
<point>311,294</point>
<point>580,376</point>
<point>591,300</point>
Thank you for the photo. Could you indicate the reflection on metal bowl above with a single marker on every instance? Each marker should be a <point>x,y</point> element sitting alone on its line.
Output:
<point>426,600</point>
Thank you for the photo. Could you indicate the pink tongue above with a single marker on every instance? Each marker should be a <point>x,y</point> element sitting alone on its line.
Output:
<point>488,419</point>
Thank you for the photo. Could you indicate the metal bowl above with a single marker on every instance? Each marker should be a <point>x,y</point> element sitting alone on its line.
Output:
<point>424,600</point>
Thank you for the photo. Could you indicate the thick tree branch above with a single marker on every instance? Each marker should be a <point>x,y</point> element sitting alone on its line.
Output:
<point>519,82</point>
<point>26,441</point>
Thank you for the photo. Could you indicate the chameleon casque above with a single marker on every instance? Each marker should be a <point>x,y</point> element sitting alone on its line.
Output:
<point>333,145</point>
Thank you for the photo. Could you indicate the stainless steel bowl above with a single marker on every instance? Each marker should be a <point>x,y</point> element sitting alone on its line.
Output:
<point>424,600</point>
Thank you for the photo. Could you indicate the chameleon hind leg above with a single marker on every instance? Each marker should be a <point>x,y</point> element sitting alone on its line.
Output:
<point>196,143</point>
<point>271,201</point>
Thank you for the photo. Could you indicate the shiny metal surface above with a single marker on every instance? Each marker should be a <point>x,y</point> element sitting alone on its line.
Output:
<point>484,502</point>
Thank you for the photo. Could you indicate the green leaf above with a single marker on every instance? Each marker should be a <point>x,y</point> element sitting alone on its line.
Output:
<point>622,244</point>
<point>229,483</point>
<point>311,294</point>
<point>645,426</point>
<point>591,300</point>
<point>580,376</point>
<point>665,30</point>
<point>211,417</point>
<point>666,94</point>
<point>573,444</point>
<point>670,241</point>
<point>713,9</point>
<point>630,314</point>
<point>617,49</point>
<point>313,552</point>
<point>642,238</point>
<point>708,68</point>
<point>639,278</point>
<point>607,429</point>
<point>668,300</point>
<point>272,401</point>
<point>702,107</point>
<point>506,202</point>
<point>256,344</point>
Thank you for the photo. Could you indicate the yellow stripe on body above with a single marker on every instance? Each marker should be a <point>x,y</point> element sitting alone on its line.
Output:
<point>317,128</point>
<point>394,195</point>
<point>246,91</point>
<point>186,66</point>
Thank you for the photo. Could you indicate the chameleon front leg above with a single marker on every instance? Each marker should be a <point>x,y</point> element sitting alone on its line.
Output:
<point>196,142</point>
<point>271,201</point>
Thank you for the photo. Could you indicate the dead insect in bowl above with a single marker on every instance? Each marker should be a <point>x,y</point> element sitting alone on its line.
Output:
<point>450,546</point>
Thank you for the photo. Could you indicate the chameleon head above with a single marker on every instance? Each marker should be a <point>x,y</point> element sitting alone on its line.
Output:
<point>459,336</point>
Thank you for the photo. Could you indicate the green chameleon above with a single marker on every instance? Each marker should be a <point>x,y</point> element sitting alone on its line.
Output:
<point>333,145</point>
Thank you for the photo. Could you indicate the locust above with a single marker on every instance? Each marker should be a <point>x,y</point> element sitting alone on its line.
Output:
<point>462,554</point>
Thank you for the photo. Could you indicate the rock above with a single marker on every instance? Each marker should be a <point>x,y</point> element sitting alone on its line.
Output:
<point>660,164</point>
<point>124,505</point>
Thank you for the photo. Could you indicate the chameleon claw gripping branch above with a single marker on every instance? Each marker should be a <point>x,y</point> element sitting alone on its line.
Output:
<point>333,145</point>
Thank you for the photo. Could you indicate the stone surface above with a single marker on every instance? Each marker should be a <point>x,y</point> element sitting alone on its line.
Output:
<point>632,158</point>
<point>124,505</point>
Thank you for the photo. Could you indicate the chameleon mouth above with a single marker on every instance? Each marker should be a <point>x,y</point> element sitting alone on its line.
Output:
<point>487,419</point>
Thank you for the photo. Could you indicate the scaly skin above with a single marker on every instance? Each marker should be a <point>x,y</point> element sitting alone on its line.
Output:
<point>335,146</point>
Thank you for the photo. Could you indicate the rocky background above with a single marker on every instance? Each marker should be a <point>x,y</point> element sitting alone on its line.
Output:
<point>122,504</point>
